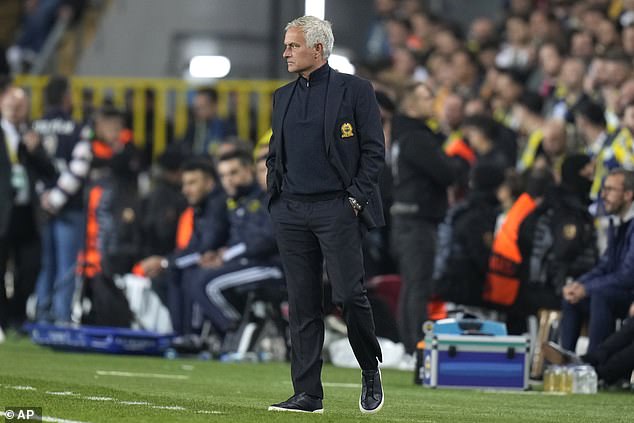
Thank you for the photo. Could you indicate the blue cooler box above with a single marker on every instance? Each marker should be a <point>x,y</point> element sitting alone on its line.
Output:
<point>100,339</point>
<point>468,326</point>
<point>476,361</point>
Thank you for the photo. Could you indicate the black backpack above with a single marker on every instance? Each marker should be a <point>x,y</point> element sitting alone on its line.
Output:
<point>445,245</point>
<point>108,303</point>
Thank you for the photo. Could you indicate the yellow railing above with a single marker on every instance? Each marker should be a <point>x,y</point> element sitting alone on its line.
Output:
<point>237,98</point>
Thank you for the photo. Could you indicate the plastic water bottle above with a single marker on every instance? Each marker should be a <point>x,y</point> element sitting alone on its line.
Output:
<point>579,376</point>
<point>170,354</point>
<point>205,356</point>
<point>239,357</point>
<point>567,378</point>
<point>231,357</point>
<point>584,380</point>
<point>592,380</point>
<point>264,356</point>
<point>558,378</point>
<point>549,379</point>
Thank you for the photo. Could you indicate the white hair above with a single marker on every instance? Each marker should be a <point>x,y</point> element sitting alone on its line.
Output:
<point>316,31</point>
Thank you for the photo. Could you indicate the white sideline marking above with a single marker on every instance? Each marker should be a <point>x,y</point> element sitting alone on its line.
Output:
<point>52,419</point>
<point>169,407</point>
<point>131,374</point>
<point>98,398</point>
<point>58,420</point>
<point>22,388</point>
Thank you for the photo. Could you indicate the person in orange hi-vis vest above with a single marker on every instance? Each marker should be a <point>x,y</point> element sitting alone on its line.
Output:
<point>112,236</point>
<point>115,165</point>
<point>502,281</point>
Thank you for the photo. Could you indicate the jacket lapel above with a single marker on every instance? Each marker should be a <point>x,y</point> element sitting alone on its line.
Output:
<point>282,104</point>
<point>334,95</point>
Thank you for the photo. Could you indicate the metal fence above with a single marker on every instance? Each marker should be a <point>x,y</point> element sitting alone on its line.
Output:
<point>247,101</point>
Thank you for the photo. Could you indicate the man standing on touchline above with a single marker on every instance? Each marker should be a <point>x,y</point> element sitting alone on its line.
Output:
<point>325,156</point>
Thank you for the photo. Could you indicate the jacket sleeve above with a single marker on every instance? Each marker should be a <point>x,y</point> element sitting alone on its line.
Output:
<point>622,278</point>
<point>372,144</point>
<point>263,243</point>
<point>72,179</point>
<point>39,162</point>
<point>210,233</point>
<point>258,243</point>
<point>597,271</point>
<point>215,232</point>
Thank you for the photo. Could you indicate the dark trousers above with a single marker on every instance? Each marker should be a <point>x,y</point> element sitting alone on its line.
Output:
<point>180,286</point>
<point>21,244</point>
<point>613,359</point>
<point>414,244</point>
<point>530,299</point>
<point>308,232</point>
<point>602,308</point>
<point>222,293</point>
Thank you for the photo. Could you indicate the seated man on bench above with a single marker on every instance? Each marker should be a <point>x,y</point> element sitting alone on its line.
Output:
<point>249,260</point>
<point>605,293</point>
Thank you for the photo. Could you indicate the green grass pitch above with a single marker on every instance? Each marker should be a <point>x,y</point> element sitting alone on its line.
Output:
<point>103,388</point>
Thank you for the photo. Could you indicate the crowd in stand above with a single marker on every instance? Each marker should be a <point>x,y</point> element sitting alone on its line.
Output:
<point>508,183</point>
<point>510,154</point>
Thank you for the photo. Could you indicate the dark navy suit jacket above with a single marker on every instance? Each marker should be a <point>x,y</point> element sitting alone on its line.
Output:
<point>353,137</point>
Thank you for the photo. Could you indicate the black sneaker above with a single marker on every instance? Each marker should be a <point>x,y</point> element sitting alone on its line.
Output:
<point>300,403</point>
<point>371,400</point>
<point>188,344</point>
